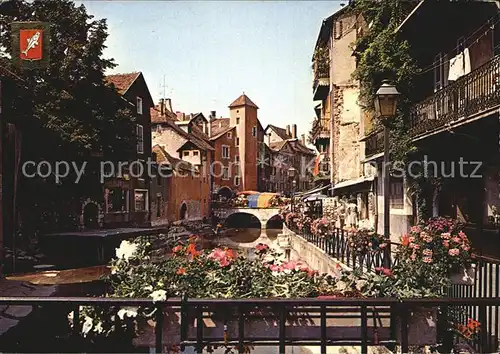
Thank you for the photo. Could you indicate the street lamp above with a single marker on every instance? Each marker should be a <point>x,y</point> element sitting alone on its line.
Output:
<point>291,175</point>
<point>385,106</point>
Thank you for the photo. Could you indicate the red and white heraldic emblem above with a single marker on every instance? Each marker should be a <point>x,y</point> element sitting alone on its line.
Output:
<point>30,44</point>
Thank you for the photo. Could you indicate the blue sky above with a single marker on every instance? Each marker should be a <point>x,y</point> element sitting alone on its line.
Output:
<point>211,51</point>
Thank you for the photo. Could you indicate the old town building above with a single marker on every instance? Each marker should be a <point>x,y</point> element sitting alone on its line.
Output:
<point>126,196</point>
<point>288,151</point>
<point>181,140</point>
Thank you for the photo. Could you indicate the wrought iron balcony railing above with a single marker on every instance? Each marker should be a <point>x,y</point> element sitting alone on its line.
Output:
<point>374,143</point>
<point>321,129</point>
<point>470,95</point>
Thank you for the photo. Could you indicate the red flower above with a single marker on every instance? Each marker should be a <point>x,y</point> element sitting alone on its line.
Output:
<point>405,240</point>
<point>191,250</point>
<point>261,247</point>
<point>177,249</point>
<point>181,271</point>
<point>385,271</point>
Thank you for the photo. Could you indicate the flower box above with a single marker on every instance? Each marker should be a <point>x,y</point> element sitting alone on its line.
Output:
<point>465,276</point>
<point>422,327</point>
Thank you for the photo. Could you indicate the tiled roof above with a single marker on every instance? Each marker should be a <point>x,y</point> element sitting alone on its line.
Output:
<point>243,100</point>
<point>156,116</point>
<point>281,132</point>
<point>278,145</point>
<point>219,125</point>
<point>221,133</point>
<point>301,148</point>
<point>197,137</point>
<point>164,158</point>
<point>122,82</point>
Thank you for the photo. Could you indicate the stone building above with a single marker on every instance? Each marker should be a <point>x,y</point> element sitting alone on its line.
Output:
<point>182,140</point>
<point>287,150</point>
<point>339,126</point>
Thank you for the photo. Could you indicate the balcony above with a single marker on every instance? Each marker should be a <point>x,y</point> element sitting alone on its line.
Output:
<point>320,129</point>
<point>470,97</point>
<point>374,143</point>
<point>321,84</point>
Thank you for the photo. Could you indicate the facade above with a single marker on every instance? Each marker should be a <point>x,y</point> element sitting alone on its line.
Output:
<point>126,197</point>
<point>225,170</point>
<point>243,116</point>
<point>289,151</point>
<point>454,121</point>
<point>181,139</point>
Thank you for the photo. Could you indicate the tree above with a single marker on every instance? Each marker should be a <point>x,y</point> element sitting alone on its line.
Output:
<point>73,114</point>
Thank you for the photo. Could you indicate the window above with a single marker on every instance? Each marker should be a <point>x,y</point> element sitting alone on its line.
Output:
<point>237,141</point>
<point>225,152</point>
<point>140,139</point>
<point>229,135</point>
<point>396,193</point>
<point>139,105</point>
<point>237,120</point>
<point>225,173</point>
<point>236,180</point>
<point>141,200</point>
<point>254,131</point>
<point>237,158</point>
<point>196,153</point>
<point>159,206</point>
<point>185,153</point>
<point>116,200</point>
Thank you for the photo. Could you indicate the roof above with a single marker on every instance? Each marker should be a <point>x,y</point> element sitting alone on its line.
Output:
<point>156,116</point>
<point>197,137</point>
<point>218,125</point>
<point>221,133</point>
<point>164,158</point>
<point>122,82</point>
<point>281,132</point>
<point>243,100</point>
<point>277,145</point>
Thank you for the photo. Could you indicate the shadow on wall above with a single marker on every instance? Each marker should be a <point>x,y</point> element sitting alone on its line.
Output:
<point>183,212</point>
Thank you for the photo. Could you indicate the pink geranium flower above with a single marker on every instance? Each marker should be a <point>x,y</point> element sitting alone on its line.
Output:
<point>454,252</point>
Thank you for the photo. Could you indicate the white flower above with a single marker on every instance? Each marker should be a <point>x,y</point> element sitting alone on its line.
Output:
<point>341,285</point>
<point>87,325</point>
<point>70,318</point>
<point>287,271</point>
<point>360,284</point>
<point>148,288</point>
<point>276,274</point>
<point>159,295</point>
<point>98,328</point>
<point>126,250</point>
<point>127,311</point>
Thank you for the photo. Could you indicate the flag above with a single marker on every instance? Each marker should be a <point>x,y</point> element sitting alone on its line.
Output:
<point>317,163</point>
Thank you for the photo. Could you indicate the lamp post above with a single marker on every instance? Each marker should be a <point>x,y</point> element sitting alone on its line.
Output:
<point>385,106</point>
<point>291,175</point>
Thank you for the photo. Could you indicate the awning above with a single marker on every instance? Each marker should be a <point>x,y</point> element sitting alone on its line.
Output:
<point>314,197</point>
<point>353,182</point>
<point>373,157</point>
<point>260,200</point>
<point>316,190</point>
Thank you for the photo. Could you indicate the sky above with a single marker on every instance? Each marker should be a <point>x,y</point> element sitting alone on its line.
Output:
<point>209,52</point>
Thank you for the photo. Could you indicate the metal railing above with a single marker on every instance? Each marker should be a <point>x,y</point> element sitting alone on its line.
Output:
<point>372,322</point>
<point>486,284</point>
<point>337,246</point>
<point>471,94</point>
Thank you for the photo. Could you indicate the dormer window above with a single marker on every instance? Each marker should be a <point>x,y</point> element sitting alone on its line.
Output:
<point>139,105</point>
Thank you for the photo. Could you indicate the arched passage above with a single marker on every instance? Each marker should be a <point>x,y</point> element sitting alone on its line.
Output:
<point>274,226</point>
<point>225,193</point>
<point>183,212</point>
<point>245,227</point>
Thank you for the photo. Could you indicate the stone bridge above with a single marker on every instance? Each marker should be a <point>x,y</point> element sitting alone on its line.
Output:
<point>263,214</point>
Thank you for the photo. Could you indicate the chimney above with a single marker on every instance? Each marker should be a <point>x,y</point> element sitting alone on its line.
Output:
<point>303,138</point>
<point>269,139</point>
<point>168,104</point>
<point>209,127</point>
<point>294,131</point>
<point>212,115</point>
<point>205,129</point>
<point>162,107</point>
<point>288,130</point>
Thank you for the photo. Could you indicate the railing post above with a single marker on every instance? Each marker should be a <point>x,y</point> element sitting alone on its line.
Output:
<point>184,322</point>
<point>159,329</point>
<point>403,314</point>
<point>323,329</point>
<point>364,330</point>
<point>282,329</point>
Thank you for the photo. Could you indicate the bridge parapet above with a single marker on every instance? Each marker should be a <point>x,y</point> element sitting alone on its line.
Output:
<point>263,214</point>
